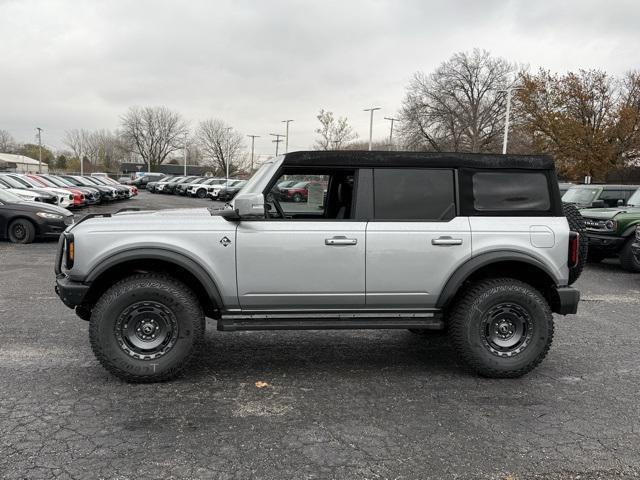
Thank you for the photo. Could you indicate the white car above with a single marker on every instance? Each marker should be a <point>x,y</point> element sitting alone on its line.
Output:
<point>201,190</point>
<point>64,198</point>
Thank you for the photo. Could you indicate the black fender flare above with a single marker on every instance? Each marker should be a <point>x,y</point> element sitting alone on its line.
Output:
<point>170,256</point>
<point>474,264</point>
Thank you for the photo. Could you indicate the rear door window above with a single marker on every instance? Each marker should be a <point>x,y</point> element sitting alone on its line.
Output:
<point>505,191</point>
<point>414,194</point>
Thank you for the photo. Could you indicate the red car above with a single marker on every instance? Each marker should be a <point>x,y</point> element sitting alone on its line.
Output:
<point>296,193</point>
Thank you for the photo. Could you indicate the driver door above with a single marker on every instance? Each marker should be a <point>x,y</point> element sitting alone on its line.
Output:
<point>314,258</point>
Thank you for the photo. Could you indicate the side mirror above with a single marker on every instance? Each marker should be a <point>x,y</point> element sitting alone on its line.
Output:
<point>249,204</point>
<point>598,204</point>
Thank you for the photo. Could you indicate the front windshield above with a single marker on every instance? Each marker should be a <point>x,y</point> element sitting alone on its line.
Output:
<point>580,195</point>
<point>58,182</point>
<point>634,200</point>
<point>8,197</point>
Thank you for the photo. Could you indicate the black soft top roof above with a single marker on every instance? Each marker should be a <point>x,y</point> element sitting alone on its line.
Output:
<point>365,158</point>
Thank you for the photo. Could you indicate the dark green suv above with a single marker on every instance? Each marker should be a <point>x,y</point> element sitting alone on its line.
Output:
<point>611,232</point>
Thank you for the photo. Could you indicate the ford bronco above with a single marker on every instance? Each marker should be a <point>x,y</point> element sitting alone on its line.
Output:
<point>477,245</point>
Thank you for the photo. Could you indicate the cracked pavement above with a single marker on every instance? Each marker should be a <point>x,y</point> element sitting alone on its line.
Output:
<point>338,404</point>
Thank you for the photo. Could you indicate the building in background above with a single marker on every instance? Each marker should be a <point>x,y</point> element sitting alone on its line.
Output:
<point>10,162</point>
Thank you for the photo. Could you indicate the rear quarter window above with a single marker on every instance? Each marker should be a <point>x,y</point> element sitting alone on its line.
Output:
<point>509,191</point>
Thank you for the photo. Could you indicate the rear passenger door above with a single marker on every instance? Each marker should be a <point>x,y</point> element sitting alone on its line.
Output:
<point>416,239</point>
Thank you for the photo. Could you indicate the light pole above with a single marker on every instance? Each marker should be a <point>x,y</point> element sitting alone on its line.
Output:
<point>286,137</point>
<point>372,109</point>
<point>185,155</point>
<point>253,140</point>
<point>277,140</point>
<point>506,120</point>
<point>39,149</point>
<point>391,119</point>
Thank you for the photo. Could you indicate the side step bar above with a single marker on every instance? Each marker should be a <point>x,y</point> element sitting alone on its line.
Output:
<point>331,321</point>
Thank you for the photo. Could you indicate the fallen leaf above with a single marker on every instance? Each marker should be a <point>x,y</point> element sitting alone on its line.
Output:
<point>261,384</point>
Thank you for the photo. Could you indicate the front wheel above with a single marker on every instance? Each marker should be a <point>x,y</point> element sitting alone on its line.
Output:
<point>146,328</point>
<point>501,328</point>
<point>201,193</point>
<point>628,260</point>
<point>22,231</point>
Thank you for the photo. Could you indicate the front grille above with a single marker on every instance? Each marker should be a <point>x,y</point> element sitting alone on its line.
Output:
<point>594,224</point>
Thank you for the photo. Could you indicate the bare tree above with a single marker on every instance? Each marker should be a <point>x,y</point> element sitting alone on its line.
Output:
<point>333,133</point>
<point>77,140</point>
<point>154,132</point>
<point>220,144</point>
<point>7,143</point>
<point>458,107</point>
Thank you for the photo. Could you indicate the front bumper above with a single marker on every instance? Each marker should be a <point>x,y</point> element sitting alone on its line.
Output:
<point>605,243</point>
<point>70,292</point>
<point>567,301</point>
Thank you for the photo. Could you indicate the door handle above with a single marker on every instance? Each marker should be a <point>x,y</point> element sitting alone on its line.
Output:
<point>340,241</point>
<point>446,241</point>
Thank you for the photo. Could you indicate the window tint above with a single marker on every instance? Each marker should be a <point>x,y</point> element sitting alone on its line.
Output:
<point>414,194</point>
<point>499,191</point>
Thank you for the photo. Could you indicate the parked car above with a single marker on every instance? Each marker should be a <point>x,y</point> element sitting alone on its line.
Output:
<point>215,191</point>
<point>564,187</point>
<point>132,189</point>
<point>144,180</point>
<point>611,232</point>
<point>91,194</point>
<point>201,190</point>
<point>124,180</point>
<point>151,186</point>
<point>227,193</point>
<point>635,247</point>
<point>161,187</point>
<point>107,194</point>
<point>599,196</point>
<point>479,245</point>
<point>181,188</point>
<point>22,221</point>
<point>79,199</point>
<point>122,191</point>
<point>298,192</point>
<point>171,186</point>
<point>29,195</point>
<point>65,198</point>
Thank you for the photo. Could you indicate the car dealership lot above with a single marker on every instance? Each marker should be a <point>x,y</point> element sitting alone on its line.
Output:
<point>337,404</point>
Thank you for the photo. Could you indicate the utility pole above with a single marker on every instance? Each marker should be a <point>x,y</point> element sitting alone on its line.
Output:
<point>286,138</point>
<point>391,119</point>
<point>253,140</point>
<point>185,154</point>
<point>372,109</point>
<point>277,140</point>
<point>509,93</point>
<point>39,149</point>
<point>226,160</point>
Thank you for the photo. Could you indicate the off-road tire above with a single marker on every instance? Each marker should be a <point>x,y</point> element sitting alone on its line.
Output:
<point>467,327</point>
<point>576,224</point>
<point>183,309</point>
<point>21,230</point>
<point>627,260</point>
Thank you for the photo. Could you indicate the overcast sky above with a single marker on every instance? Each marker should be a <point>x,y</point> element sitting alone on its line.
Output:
<point>81,64</point>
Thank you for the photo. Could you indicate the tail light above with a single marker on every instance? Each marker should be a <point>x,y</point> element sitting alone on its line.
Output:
<point>70,251</point>
<point>574,249</point>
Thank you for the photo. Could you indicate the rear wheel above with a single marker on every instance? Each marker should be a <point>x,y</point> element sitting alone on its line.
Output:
<point>501,328</point>
<point>576,224</point>
<point>146,328</point>
<point>627,259</point>
<point>297,198</point>
<point>22,231</point>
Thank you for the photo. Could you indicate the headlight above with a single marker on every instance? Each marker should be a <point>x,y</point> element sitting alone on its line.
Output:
<point>51,216</point>
<point>610,225</point>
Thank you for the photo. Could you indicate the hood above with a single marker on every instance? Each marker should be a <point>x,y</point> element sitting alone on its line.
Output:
<point>605,213</point>
<point>41,207</point>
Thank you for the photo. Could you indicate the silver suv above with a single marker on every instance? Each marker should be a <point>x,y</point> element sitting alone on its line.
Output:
<point>478,245</point>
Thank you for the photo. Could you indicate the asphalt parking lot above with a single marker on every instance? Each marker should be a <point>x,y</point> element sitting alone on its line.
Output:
<point>345,404</point>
